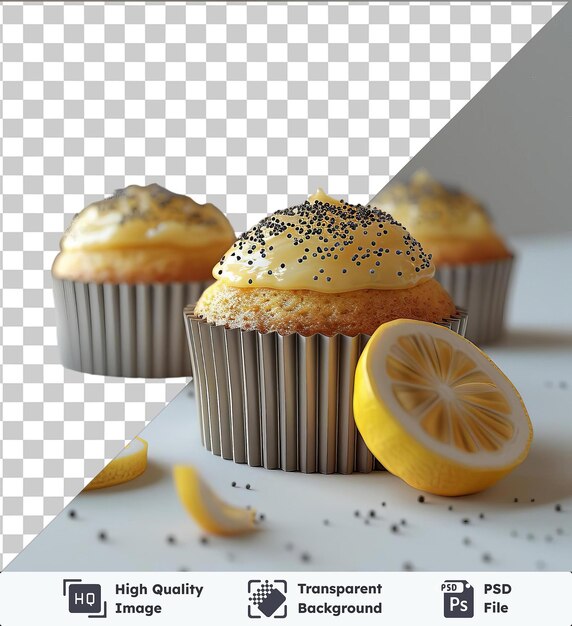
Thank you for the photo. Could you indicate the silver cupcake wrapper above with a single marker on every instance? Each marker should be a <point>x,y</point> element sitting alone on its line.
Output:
<point>481,289</point>
<point>124,330</point>
<point>281,402</point>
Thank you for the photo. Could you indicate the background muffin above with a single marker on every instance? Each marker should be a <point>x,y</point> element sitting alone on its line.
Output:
<point>472,261</point>
<point>143,235</point>
<point>127,267</point>
<point>275,341</point>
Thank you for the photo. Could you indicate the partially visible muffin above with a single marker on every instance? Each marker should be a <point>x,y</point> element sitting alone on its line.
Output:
<point>450,224</point>
<point>143,235</point>
<point>471,259</point>
<point>324,267</point>
<point>127,267</point>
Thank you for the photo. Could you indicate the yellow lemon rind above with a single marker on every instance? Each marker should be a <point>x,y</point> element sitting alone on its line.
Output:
<point>221,518</point>
<point>121,469</point>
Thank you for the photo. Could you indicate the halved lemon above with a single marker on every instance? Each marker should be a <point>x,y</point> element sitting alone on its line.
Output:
<point>436,411</point>
<point>127,465</point>
<point>207,509</point>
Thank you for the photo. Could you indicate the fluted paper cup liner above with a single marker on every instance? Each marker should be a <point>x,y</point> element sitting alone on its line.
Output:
<point>280,401</point>
<point>124,330</point>
<point>481,289</point>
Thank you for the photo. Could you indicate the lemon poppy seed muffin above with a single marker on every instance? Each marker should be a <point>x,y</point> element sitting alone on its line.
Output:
<point>471,260</point>
<point>127,267</point>
<point>275,340</point>
<point>143,235</point>
<point>326,267</point>
<point>452,225</point>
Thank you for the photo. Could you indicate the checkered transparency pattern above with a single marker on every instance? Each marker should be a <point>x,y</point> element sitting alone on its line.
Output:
<point>249,105</point>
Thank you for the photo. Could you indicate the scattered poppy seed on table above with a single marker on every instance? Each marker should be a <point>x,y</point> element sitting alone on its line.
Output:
<point>204,540</point>
<point>356,513</point>
<point>450,507</point>
<point>383,504</point>
<point>481,516</point>
<point>466,541</point>
<point>247,486</point>
<point>72,514</point>
<point>558,508</point>
<point>171,539</point>
<point>559,531</point>
<point>407,566</point>
<point>532,500</point>
<point>516,500</point>
<point>394,528</point>
<point>404,522</point>
<point>372,513</point>
<point>421,499</point>
<point>233,483</point>
<point>487,558</point>
<point>466,520</point>
<point>102,535</point>
<point>326,522</point>
<point>305,557</point>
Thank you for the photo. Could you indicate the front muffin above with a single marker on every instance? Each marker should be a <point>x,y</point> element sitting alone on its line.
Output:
<point>472,261</point>
<point>324,267</point>
<point>275,341</point>
<point>127,267</point>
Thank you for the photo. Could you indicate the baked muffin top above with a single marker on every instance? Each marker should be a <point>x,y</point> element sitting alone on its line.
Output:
<point>431,210</point>
<point>327,246</point>
<point>146,217</point>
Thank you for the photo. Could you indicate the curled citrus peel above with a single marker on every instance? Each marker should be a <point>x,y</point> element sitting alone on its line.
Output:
<point>127,465</point>
<point>206,508</point>
<point>436,411</point>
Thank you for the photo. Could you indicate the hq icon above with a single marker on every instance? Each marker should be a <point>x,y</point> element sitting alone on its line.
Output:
<point>458,598</point>
<point>84,598</point>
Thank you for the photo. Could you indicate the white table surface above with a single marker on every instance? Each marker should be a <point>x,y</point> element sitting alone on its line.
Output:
<point>536,355</point>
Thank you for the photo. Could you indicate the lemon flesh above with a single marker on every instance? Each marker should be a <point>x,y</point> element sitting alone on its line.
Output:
<point>206,508</point>
<point>436,411</point>
<point>127,465</point>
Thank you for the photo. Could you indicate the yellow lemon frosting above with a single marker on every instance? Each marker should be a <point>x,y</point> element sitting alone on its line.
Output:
<point>324,247</point>
<point>431,210</point>
<point>146,217</point>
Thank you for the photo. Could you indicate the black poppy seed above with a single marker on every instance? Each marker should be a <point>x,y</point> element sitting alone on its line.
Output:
<point>233,483</point>
<point>532,500</point>
<point>450,507</point>
<point>219,272</point>
<point>262,517</point>
<point>486,557</point>
<point>171,539</point>
<point>403,522</point>
<point>328,279</point>
<point>400,273</point>
<point>204,540</point>
<point>421,499</point>
<point>466,520</point>
<point>372,513</point>
<point>326,522</point>
<point>247,486</point>
<point>394,528</point>
<point>356,513</point>
<point>344,271</point>
<point>305,557</point>
<point>407,566</point>
<point>250,281</point>
<point>481,516</point>
<point>559,531</point>
<point>383,504</point>
<point>102,535</point>
<point>321,271</point>
<point>315,278</point>
<point>72,514</point>
<point>269,271</point>
<point>516,499</point>
<point>558,508</point>
<point>466,541</point>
